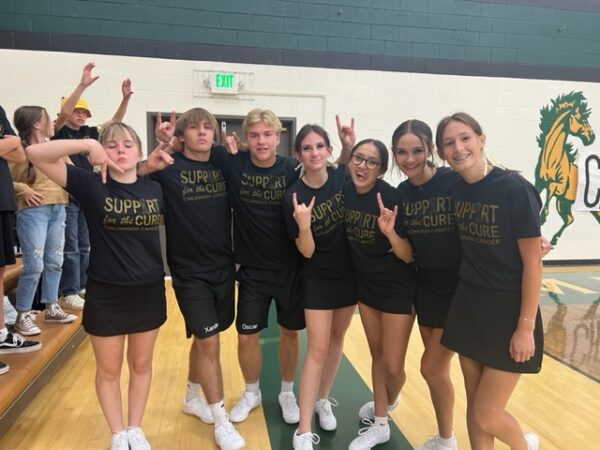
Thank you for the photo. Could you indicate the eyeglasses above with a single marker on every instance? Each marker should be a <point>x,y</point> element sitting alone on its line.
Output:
<point>369,163</point>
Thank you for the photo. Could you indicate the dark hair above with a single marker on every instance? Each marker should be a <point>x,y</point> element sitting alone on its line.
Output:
<point>24,119</point>
<point>421,130</point>
<point>456,117</point>
<point>305,131</point>
<point>381,148</point>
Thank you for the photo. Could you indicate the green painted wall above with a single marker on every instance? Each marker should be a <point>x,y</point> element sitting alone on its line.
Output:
<point>438,29</point>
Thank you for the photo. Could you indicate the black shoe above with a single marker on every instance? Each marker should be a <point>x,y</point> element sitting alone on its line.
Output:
<point>14,343</point>
<point>3,368</point>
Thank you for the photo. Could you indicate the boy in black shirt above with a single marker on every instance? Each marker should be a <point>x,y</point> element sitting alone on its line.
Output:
<point>200,257</point>
<point>268,257</point>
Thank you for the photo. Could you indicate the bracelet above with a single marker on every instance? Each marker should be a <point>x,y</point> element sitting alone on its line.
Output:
<point>526,319</point>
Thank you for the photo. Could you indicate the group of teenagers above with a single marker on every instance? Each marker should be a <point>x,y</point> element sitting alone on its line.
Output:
<point>458,247</point>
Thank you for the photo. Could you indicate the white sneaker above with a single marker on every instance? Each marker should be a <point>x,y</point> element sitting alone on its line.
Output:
<point>55,314</point>
<point>367,411</point>
<point>327,420</point>
<point>24,324</point>
<point>82,293</point>
<point>289,407</point>
<point>305,441</point>
<point>72,301</point>
<point>137,439</point>
<point>119,441</point>
<point>370,436</point>
<point>533,441</point>
<point>227,437</point>
<point>434,443</point>
<point>246,403</point>
<point>198,407</point>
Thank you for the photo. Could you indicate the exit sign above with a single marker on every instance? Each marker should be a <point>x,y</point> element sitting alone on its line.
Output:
<point>224,83</point>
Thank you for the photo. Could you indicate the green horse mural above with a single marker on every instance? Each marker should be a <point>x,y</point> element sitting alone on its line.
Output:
<point>556,170</point>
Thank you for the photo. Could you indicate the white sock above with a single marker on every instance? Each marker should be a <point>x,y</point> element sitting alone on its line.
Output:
<point>287,386</point>
<point>393,405</point>
<point>3,334</point>
<point>192,391</point>
<point>447,442</point>
<point>380,421</point>
<point>218,412</point>
<point>253,387</point>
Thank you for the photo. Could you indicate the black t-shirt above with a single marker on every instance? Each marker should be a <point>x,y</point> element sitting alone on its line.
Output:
<point>84,132</point>
<point>331,258</point>
<point>7,193</point>
<point>123,220</point>
<point>197,216</point>
<point>369,246</point>
<point>429,221</point>
<point>259,233</point>
<point>491,215</point>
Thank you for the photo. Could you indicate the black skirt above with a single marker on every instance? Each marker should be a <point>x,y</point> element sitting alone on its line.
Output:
<point>436,289</point>
<point>481,323</point>
<point>112,310</point>
<point>386,292</point>
<point>320,293</point>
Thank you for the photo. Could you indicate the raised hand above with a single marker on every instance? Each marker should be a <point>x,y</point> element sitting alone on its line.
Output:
<point>126,88</point>
<point>346,133</point>
<point>164,131</point>
<point>86,77</point>
<point>387,217</point>
<point>302,213</point>
<point>231,143</point>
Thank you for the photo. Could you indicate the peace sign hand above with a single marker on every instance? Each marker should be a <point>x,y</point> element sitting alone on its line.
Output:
<point>302,213</point>
<point>387,217</point>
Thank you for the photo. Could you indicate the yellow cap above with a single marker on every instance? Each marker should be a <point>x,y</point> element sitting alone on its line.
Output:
<point>81,104</point>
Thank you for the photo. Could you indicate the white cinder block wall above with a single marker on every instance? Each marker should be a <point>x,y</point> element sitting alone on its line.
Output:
<point>508,109</point>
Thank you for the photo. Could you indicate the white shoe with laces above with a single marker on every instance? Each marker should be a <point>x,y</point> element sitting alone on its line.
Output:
<point>119,441</point>
<point>435,443</point>
<point>367,411</point>
<point>246,403</point>
<point>72,301</point>
<point>137,439</point>
<point>305,441</point>
<point>327,420</point>
<point>370,436</point>
<point>289,407</point>
<point>227,437</point>
<point>533,441</point>
<point>198,407</point>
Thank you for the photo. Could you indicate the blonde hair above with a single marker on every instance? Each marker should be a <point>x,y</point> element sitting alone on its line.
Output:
<point>266,116</point>
<point>119,130</point>
<point>194,116</point>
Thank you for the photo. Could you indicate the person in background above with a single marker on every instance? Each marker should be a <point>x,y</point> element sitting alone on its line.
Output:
<point>71,124</point>
<point>10,151</point>
<point>40,226</point>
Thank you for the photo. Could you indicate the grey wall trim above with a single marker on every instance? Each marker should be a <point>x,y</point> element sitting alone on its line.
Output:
<point>571,5</point>
<point>252,55</point>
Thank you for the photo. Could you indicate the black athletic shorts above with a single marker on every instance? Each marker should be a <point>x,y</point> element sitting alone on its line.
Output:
<point>257,287</point>
<point>206,301</point>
